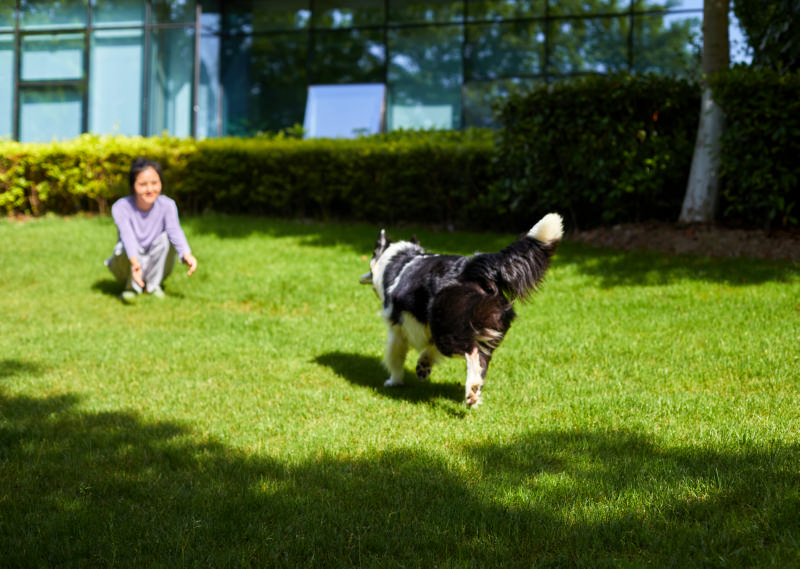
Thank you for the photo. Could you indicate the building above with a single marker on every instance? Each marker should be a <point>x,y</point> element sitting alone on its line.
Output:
<point>235,68</point>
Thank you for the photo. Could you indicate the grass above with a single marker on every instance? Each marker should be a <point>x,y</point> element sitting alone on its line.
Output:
<point>643,411</point>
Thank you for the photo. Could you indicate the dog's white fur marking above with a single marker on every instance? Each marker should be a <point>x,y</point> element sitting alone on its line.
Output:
<point>473,395</point>
<point>380,265</point>
<point>411,333</point>
<point>548,229</point>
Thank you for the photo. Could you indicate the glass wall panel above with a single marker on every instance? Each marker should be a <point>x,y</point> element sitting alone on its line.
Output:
<point>348,13</point>
<point>48,114</point>
<point>118,13</point>
<point>348,56</point>
<point>592,7</point>
<point>7,15</point>
<point>265,82</point>
<point>171,73</point>
<point>668,44</point>
<point>7,86</point>
<point>418,11</point>
<point>588,45</point>
<point>115,86</point>
<point>52,56</point>
<point>504,9</point>
<point>504,49</point>
<point>247,16</point>
<point>481,97</point>
<point>173,12</point>
<point>424,78</point>
<point>209,120</point>
<point>48,14</point>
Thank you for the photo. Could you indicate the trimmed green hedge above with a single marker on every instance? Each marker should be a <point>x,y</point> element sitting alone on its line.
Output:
<point>429,177</point>
<point>601,149</point>
<point>760,161</point>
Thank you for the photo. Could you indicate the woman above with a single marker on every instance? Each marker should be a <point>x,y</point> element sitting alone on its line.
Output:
<point>150,234</point>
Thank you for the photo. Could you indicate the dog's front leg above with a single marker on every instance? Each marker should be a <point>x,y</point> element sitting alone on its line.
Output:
<point>395,358</point>
<point>477,364</point>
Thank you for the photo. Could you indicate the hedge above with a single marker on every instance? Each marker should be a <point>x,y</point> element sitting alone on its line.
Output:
<point>601,150</point>
<point>760,161</point>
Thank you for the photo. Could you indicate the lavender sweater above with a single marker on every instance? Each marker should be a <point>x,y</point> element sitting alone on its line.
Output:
<point>138,229</point>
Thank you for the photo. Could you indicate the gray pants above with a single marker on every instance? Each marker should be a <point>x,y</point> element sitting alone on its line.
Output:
<point>157,263</point>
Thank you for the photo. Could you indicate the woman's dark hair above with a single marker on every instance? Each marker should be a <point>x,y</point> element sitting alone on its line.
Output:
<point>138,166</point>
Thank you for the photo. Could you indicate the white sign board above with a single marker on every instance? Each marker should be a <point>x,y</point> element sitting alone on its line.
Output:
<point>344,111</point>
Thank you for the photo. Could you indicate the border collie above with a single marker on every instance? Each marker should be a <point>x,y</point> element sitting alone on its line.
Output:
<point>448,305</point>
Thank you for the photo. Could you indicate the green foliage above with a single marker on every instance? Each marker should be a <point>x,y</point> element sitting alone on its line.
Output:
<point>605,149</point>
<point>772,30</point>
<point>425,176</point>
<point>759,169</point>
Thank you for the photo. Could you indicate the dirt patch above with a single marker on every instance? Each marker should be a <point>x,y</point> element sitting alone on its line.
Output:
<point>705,240</point>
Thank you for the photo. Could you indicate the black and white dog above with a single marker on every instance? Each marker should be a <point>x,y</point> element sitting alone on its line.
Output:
<point>448,305</point>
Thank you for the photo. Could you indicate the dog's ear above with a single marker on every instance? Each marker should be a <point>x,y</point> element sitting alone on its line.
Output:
<point>382,239</point>
<point>414,239</point>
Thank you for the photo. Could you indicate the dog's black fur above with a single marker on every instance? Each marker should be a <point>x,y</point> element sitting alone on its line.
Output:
<point>448,305</point>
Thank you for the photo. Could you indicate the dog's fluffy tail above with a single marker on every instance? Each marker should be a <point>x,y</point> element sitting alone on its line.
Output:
<point>518,269</point>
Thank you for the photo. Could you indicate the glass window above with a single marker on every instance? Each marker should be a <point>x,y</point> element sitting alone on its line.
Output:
<point>51,113</point>
<point>348,13</point>
<point>52,56</point>
<point>6,87</point>
<point>115,86</point>
<point>209,121</point>
<point>480,98</point>
<point>264,82</point>
<point>668,44</point>
<point>247,16</point>
<point>7,15</point>
<point>118,13</point>
<point>48,14</point>
<point>348,56</point>
<point>504,9</point>
<point>588,45</point>
<point>171,74</point>
<point>173,12</point>
<point>506,49</point>
<point>416,11</point>
<point>593,8</point>
<point>424,77</point>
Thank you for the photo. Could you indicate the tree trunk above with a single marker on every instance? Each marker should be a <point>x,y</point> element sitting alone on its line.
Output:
<point>700,201</point>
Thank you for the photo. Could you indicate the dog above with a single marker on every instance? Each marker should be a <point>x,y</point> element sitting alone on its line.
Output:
<point>450,305</point>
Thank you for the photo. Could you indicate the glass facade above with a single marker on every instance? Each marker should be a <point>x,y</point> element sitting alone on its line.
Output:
<point>210,68</point>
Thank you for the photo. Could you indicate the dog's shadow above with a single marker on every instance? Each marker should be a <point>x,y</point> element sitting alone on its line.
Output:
<point>368,372</point>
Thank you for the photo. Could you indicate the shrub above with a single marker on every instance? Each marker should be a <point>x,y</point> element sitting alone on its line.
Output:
<point>604,149</point>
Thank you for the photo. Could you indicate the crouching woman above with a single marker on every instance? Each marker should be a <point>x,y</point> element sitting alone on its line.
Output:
<point>149,234</point>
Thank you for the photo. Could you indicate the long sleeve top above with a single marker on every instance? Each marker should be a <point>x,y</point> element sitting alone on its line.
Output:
<point>138,229</point>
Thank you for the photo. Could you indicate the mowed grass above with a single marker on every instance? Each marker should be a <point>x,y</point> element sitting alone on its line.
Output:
<point>643,411</point>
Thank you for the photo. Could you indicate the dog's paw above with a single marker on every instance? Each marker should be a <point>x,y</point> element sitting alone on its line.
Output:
<point>474,397</point>
<point>391,382</point>
<point>424,369</point>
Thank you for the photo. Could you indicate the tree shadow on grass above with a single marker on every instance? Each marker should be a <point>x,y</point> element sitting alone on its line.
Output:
<point>368,372</point>
<point>81,488</point>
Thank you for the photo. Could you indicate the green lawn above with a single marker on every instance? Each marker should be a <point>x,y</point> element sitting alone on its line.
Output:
<point>644,410</point>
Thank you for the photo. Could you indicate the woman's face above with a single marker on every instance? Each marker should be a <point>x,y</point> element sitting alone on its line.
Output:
<point>147,187</point>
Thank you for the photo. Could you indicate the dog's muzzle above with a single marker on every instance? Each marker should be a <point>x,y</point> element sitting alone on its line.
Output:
<point>366,279</point>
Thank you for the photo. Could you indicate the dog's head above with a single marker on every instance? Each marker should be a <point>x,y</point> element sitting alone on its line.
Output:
<point>380,248</point>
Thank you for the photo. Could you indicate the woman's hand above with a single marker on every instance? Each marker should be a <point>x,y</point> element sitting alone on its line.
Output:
<point>189,259</point>
<point>136,271</point>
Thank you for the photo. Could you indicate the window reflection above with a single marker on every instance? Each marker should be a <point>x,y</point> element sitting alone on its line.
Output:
<point>52,113</point>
